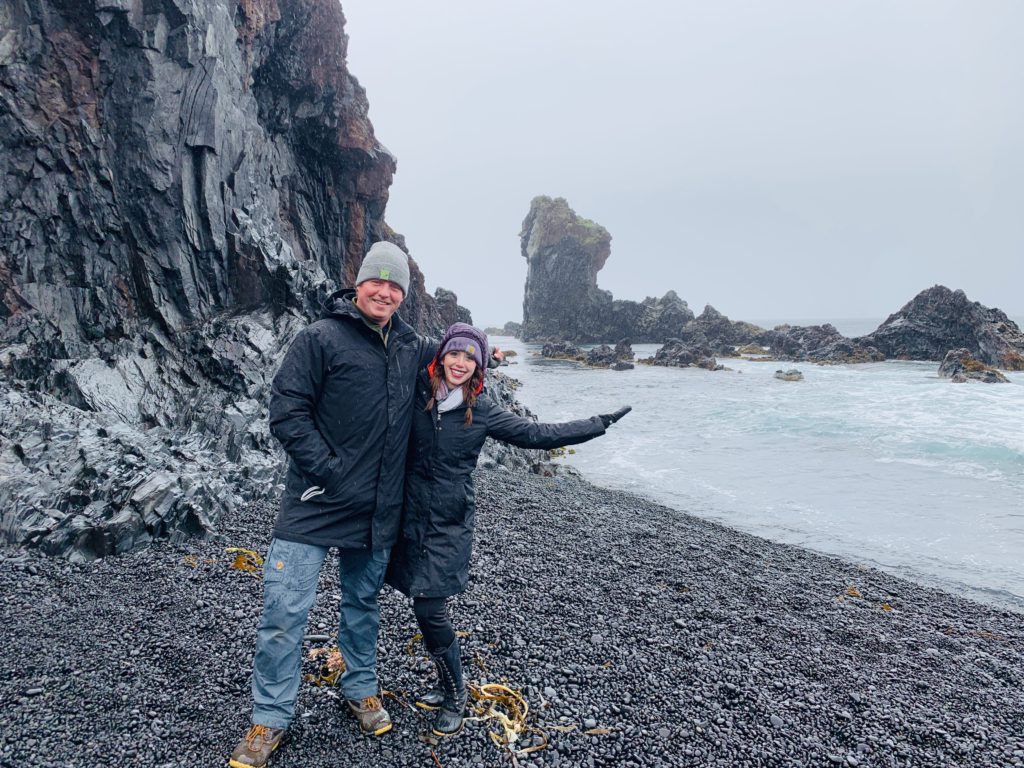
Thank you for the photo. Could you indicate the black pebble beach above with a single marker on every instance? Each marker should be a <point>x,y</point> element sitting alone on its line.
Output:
<point>675,641</point>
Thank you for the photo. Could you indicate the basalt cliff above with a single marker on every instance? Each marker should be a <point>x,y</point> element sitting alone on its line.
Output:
<point>562,303</point>
<point>182,184</point>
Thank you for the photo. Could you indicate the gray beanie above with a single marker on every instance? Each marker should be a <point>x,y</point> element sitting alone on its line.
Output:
<point>385,261</point>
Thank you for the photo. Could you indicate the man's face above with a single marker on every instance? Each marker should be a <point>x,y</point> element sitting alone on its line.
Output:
<point>378,299</point>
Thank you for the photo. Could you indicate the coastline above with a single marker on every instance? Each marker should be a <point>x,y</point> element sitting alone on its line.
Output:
<point>692,643</point>
<point>883,464</point>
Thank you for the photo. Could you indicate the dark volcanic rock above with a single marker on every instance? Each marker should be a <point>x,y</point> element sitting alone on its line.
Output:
<point>713,329</point>
<point>819,344</point>
<point>449,310</point>
<point>679,355</point>
<point>183,184</point>
<point>561,350</point>
<point>960,366</point>
<point>510,328</point>
<point>938,319</point>
<point>564,253</point>
<point>601,356</point>
<point>604,356</point>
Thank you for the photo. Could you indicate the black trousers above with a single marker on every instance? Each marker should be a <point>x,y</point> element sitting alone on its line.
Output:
<point>436,626</point>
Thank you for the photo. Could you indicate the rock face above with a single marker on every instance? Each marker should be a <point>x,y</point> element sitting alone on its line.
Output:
<point>960,366</point>
<point>564,252</point>
<point>938,319</point>
<point>183,184</point>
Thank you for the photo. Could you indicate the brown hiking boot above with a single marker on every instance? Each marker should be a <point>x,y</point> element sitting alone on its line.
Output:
<point>256,746</point>
<point>373,718</point>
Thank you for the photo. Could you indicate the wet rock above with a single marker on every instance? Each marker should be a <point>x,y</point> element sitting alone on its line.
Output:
<point>561,350</point>
<point>939,319</point>
<point>676,353</point>
<point>601,356</point>
<point>819,344</point>
<point>960,366</point>
<point>714,330</point>
<point>791,375</point>
<point>185,186</point>
<point>510,328</point>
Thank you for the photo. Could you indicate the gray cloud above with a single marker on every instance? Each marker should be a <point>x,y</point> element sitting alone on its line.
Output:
<point>783,160</point>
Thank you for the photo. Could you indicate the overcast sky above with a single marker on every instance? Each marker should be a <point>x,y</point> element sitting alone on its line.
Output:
<point>778,160</point>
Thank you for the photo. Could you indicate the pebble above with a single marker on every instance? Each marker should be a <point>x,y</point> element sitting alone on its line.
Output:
<point>727,691</point>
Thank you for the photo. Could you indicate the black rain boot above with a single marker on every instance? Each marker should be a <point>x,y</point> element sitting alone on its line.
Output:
<point>453,688</point>
<point>432,699</point>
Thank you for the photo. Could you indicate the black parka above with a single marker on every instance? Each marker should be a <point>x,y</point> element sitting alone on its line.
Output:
<point>341,405</point>
<point>431,556</point>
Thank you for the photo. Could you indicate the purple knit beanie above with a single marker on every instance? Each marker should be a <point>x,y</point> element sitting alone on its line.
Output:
<point>463,337</point>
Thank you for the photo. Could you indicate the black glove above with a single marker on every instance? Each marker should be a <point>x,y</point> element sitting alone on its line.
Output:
<point>610,418</point>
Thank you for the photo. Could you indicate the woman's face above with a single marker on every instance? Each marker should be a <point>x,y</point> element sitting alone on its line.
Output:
<point>458,367</point>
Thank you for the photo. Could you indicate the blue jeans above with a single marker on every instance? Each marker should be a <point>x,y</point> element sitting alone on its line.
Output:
<point>290,574</point>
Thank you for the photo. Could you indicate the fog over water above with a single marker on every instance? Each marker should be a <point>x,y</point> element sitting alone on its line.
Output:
<point>776,160</point>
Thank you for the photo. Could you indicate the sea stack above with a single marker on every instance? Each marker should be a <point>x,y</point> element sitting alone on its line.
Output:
<point>564,252</point>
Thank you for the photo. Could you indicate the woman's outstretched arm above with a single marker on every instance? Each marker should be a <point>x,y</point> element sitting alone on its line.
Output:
<point>522,432</point>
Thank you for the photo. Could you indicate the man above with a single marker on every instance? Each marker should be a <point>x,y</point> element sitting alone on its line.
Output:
<point>341,406</point>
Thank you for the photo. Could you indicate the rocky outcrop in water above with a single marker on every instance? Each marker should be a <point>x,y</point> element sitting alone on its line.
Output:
<point>183,185</point>
<point>562,302</point>
<point>601,356</point>
<point>819,344</point>
<point>789,375</point>
<point>714,330</point>
<point>677,354</point>
<point>564,253</point>
<point>960,366</point>
<point>511,328</point>
<point>938,319</point>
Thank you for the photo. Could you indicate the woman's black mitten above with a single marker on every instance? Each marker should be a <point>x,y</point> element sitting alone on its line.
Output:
<point>610,418</point>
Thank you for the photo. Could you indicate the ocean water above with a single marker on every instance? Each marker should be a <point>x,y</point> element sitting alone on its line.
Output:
<point>885,464</point>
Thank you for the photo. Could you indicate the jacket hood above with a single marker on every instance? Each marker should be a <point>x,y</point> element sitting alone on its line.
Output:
<point>340,305</point>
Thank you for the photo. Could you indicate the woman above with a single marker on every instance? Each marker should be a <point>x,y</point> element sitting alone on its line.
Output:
<point>430,563</point>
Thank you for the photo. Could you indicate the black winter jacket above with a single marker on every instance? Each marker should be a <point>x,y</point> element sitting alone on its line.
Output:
<point>341,405</point>
<point>431,557</point>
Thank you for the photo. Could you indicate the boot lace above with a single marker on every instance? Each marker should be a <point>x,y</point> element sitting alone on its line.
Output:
<point>371,703</point>
<point>257,737</point>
